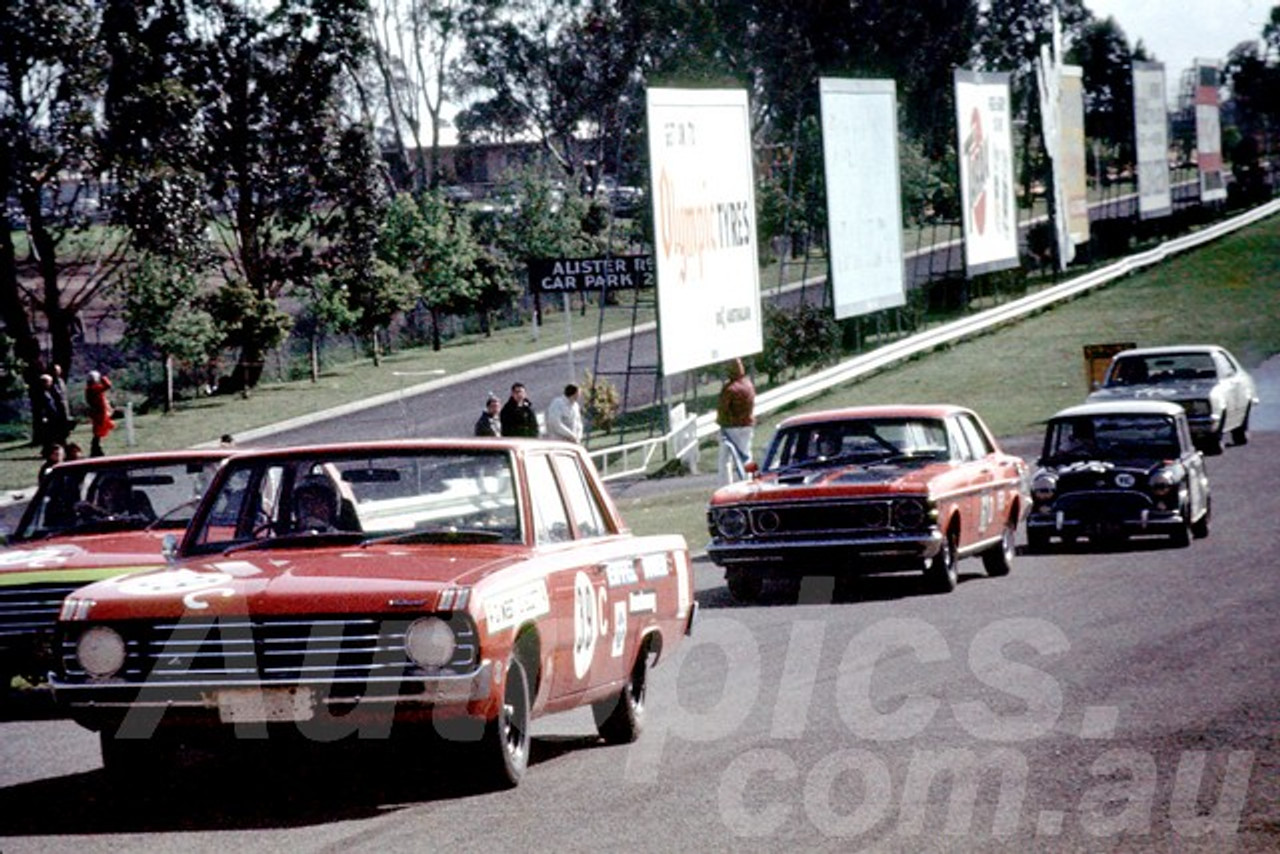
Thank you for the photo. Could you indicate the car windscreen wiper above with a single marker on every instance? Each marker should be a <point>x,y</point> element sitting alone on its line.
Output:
<point>299,540</point>
<point>441,535</point>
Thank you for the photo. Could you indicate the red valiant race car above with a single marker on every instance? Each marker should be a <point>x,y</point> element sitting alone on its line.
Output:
<point>90,519</point>
<point>456,588</point>
<point>870,490</point>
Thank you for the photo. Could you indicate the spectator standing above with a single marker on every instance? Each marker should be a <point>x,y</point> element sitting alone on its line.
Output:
<point>735,414</point>
<point>517,416</point>
<point>63,422</point>
<point>95,395</point>
<point>489,424</point>
<point>564,416</point>
<point>45,415</point>
<point>52,457</point>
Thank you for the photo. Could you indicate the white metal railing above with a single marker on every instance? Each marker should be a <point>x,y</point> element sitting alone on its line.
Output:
<point>634,458</point>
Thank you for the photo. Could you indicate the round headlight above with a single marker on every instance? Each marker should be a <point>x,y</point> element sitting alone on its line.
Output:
<point>1163,480</point>
<point>101,652</point>
<point>429,642</point>
<point>1044,486</point>
<point>910,513</point>
<point>731,522</point>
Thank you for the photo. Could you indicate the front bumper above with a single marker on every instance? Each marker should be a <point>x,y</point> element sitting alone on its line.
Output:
<point>1204,426</point>
<point>1101,519</point>
<point>234,700</point>
<point>836,554</point>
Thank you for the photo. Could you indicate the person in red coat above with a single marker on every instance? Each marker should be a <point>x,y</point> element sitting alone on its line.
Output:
<point>95,395</point>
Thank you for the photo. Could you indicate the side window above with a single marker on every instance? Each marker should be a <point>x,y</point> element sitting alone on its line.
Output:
<point>588,517</point>
<point>550,522</point>
<point>1226,367</point>
<point>959,442</point>
<point>978,441</point>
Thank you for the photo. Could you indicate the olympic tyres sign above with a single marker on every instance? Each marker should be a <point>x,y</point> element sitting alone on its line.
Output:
<point>704,224</point>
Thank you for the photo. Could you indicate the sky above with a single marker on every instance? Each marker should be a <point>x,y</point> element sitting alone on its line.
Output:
<point>1176,32</point>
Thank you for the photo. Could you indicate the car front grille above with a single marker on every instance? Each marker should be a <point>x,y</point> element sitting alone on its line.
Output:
<point>30,609</point>
<point>1104,506</point>
<point>800,520</point>
<point>278,650</point>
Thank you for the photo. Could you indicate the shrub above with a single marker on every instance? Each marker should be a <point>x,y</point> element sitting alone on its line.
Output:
<point>602,405</point>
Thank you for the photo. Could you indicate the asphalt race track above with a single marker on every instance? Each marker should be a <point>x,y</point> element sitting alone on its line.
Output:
<point>1090,701</point>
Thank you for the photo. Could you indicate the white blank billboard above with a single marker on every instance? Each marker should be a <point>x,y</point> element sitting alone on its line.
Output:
<point>1151,134</point>
<point>704,224</point>
<point>864,200</point>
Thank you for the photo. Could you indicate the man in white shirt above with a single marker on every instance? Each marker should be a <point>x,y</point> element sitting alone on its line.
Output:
<point>564,416</point>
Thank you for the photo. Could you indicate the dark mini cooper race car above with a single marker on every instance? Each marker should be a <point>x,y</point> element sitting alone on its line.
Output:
<point>1114,470</point>
<point>90,519</point>
<point>869,490</point>
<point>459,588</point>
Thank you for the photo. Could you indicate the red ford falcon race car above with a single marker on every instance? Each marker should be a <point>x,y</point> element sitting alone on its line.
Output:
<point>461,587</point>
<point>90,519</point>
<point>866,490</point>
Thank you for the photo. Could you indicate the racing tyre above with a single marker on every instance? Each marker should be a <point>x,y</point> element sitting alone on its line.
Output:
<point>1181,537</point>
<point>941,575</point>
<point>1200,527</point>
<point>744,585</point>
<point>504,748</point>
<point>1213,444</point>
<point>620,719</point>
<point>1037,541</point>
<point>998,559</point>
<point>1240,435</point>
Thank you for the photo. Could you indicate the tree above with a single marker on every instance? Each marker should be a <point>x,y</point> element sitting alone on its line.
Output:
<point>543,69</point>
<point>272,117</point>
<point>413,43</point>
<point>430,244</point>
<point>165,319</point>
<point>52,76</point>
<point>1103,53</point>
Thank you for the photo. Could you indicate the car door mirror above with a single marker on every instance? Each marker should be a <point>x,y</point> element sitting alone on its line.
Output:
<point>169,547</point>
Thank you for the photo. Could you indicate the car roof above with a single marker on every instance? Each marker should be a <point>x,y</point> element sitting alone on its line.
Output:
<point>931,410</point>
<point>391,446</point>
<point>1119,407</point>
<point>1169,349</point>
<point>194,455</point>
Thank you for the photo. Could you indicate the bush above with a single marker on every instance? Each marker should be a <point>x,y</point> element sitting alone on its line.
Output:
<point>602,405</point>
<point>802,337</point>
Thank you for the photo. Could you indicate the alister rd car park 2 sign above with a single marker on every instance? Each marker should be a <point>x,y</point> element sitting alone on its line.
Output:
<point>568,275</point>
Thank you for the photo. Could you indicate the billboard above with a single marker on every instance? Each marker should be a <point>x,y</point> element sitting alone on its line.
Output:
<point>704,226</point>
<point>864,199</point>
<point>1075,182</point>
<point>1151,136</point>
<point>1213,185</point>
<point>983,122</point>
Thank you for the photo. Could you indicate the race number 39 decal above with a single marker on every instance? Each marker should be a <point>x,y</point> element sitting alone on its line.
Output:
<point>586,624</point>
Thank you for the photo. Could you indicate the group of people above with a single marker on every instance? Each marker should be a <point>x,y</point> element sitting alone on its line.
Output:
<point>54,422</point>
<point>735,415</point>
<point>517,416</point>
